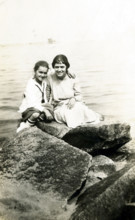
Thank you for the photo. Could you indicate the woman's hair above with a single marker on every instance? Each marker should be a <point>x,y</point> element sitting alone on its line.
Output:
<point>41,63</point>
<point>61,59</point>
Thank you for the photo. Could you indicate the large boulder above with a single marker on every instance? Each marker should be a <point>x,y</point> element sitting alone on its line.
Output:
<point>99,139</point>
<point>95,139</point>
<point>20,201</point>
<point>101,168</point>
<point>103,164</point>
<point>129,148</point>
<point>106,199</point>
<point>49,164</point>
<point>56,129</point>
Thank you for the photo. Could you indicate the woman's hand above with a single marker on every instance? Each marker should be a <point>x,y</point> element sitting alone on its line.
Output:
<point>71,103</point>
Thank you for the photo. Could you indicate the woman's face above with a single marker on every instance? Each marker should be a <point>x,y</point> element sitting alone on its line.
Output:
<point>41,74</point>
<point>60,70</point>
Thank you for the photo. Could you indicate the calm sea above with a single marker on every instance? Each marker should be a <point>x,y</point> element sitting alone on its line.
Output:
<point>106,71</point>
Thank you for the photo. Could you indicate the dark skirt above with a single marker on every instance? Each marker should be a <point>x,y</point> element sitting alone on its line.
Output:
<point>28,112</point>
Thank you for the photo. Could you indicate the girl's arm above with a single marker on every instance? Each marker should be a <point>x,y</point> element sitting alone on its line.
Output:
<point>71,75</point>
<point>49,92</point>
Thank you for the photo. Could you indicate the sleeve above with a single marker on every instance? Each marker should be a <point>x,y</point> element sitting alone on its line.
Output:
<point>48,92</point>
<point>77,90</point>
<point>33,96</point>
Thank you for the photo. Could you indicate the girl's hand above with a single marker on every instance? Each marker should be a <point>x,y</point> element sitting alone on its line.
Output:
<point>48,115</point>
<point>47,106</point>
<point>71,103</point>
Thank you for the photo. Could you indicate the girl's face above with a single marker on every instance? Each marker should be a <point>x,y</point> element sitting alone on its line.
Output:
<point>60,70</point>
<point>41,74</point>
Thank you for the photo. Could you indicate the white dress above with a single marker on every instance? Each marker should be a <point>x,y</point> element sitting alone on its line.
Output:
<point>62,91</point>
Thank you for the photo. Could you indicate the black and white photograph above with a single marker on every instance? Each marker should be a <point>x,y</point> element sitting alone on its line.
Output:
<point>67,110</point>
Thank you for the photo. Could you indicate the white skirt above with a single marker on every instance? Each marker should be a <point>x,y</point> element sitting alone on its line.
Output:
<point>78,115</point>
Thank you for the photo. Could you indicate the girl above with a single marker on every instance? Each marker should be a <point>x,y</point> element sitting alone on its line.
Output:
<point>36,104</point>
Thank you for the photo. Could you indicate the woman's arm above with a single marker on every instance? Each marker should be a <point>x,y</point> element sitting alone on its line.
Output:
<point>77,94</point>
<point>77,90</point>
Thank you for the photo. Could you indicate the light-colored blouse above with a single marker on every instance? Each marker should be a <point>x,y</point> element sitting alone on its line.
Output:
<point>64,89</point>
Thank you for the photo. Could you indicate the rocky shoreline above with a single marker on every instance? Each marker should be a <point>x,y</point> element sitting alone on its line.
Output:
<point>51,172</point>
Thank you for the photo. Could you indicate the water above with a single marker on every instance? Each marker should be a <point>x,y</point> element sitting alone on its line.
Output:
<point>105,69</point>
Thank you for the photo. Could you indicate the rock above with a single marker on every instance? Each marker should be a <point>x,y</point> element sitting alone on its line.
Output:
<point>106,199</point>
<point>124,155</point>
<point>129,148</point>
<point>19,201</point>
<point>53,128</point>
<point>104,164</point>
<point>48,163</point>
<point>3,141</point>
<point>99,139</point>
<point>95,139</point>
<point>129,212</point>
<point>101,168</point>
<point>42,176</point>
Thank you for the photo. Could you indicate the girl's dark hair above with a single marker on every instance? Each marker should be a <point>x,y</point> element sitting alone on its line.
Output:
<point>61,59</point>
<point>41,63</point>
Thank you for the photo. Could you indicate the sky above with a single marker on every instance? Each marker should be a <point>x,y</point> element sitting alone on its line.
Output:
<point>66,20</point>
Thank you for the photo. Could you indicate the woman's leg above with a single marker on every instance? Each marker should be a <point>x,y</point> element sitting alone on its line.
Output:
<point>78,115</point>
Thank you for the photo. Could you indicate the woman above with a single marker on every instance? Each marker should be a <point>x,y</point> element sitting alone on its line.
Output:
<point>37,98</point>
<point>67,98</point>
